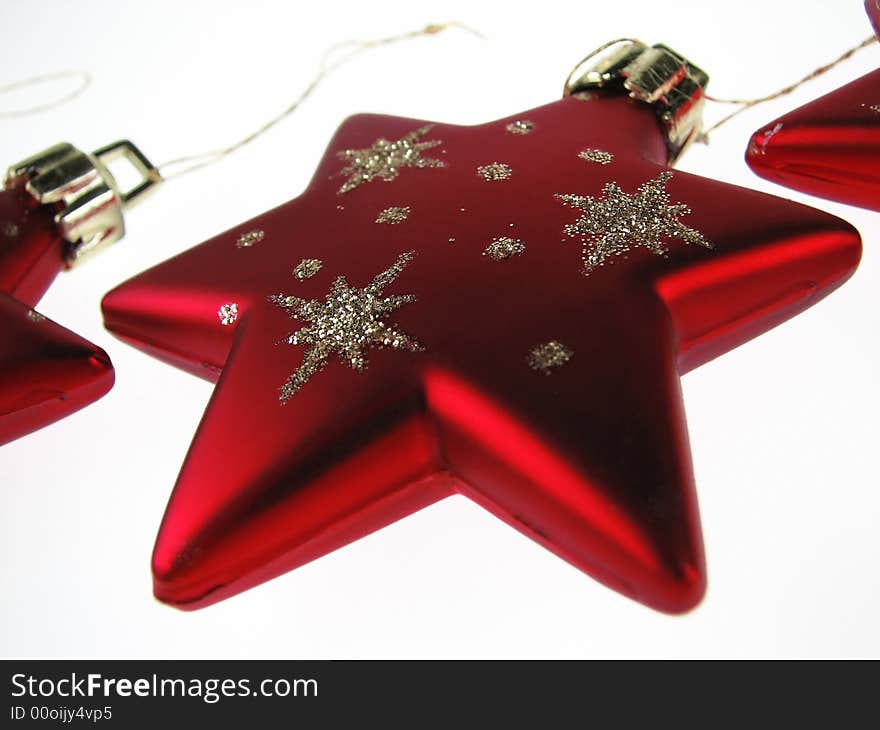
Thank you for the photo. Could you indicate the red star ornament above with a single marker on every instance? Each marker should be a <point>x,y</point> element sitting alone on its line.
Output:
<point>829,147</point>
<point>46,371</point>
<point>501,311</point>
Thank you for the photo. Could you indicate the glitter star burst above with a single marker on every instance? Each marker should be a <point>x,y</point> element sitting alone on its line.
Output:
<point>347,321</point>
<point>384,159</point>
<point>612,225</point>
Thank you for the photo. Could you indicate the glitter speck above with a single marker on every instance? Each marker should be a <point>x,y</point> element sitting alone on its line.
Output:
<point>9,229</point>
<point>875,108</point>
<point>384,159</point>
<point>307,268</point>
<point>612,225</point>
<point>520,126</point>
<point>228,313</point>
<point>583,95</point>
<point>35,316</point>
<point>600,157</point>
<point>495,171</point>
<point>246,240</point>
<point>347,322</point>
<point>393,215</point>
<point>452,240</point>
<point>549,356</point>
<point>504,248</point>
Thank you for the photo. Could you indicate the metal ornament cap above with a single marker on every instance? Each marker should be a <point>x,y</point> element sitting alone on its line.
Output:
<point>87,200</point>
<point>654,75</point>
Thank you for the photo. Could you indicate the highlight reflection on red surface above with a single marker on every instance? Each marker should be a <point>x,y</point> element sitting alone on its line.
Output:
<point>591,461</point>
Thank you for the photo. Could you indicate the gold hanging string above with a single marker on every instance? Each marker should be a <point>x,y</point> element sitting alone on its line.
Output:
<point>85,80</point>
<point>745,104</point>
<point>335,57</point>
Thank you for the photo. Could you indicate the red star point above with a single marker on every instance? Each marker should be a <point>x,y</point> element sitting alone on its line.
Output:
<point>829,147</point>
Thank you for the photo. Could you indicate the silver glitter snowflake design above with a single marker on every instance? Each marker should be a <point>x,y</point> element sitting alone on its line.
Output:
<point>504,248</point>
<point>393,215</point>
<point>549,356</point>
<point>521,126</point>
<point>246,240</point>
<point>495,171</point>
<point>307,268</point>
<point>348,321</point>
<point>600,157</point>
<point>385,159</point>
<point>228,313</point>
<point>612,225</point>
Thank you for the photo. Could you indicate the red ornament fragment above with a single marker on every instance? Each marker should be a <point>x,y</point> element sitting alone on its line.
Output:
<point>526,355</point>
<point>829,147</point>
<point>46,371</point>
<point>873,9</point>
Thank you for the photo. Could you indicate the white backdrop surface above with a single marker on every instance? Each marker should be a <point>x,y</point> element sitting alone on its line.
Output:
<point>784,430</point>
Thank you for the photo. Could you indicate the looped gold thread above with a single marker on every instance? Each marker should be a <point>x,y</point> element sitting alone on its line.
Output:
<point>328,65</point>
<point>745,104</point>
<point>85,80</point>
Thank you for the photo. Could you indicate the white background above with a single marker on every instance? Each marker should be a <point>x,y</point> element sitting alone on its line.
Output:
<point>784,430</point>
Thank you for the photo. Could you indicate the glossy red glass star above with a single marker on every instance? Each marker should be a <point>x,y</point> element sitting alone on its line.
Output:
<point>829,147</point>
<point>527,354</point>
<point>46,371</point>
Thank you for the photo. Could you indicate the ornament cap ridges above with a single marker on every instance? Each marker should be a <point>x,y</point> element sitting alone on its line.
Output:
<point>655,75</point>
<point>88,201</point>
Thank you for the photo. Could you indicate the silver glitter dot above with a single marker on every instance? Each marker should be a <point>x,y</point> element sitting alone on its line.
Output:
<point>307,268</point>
<point>504,248</point>
<point>35,316</point>
<point>393,215</point>
<point>384,159</point>
<point>495,171</point>
<point>583,96</point>
<point>600,157</point>
<point>346,322</point>
<point>549,356</point>
<point>9,229</point>
<point>246,240</point>
<point>520,126</point>
<point>612,225</point>
<point>875,108</point>
<point>228,313</point>
<point>452,240</point>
